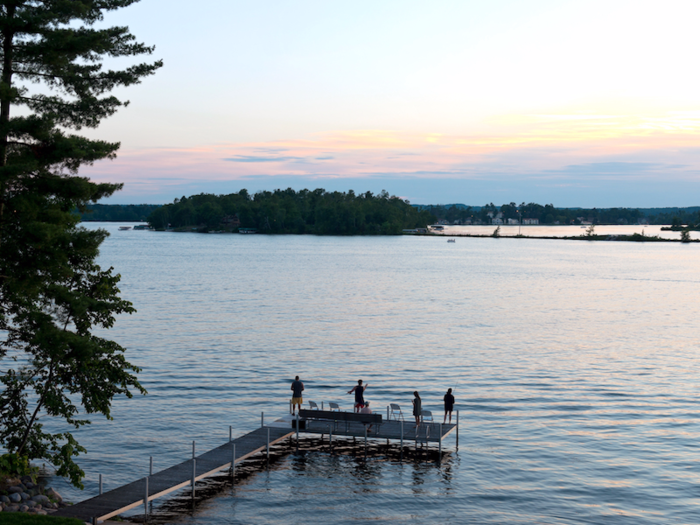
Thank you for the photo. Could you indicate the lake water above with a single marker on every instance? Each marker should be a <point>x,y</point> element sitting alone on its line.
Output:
<point>574,364</point>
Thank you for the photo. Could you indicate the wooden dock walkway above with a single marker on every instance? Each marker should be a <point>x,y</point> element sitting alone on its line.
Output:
<point>129,496</point>
<point>132,495</point>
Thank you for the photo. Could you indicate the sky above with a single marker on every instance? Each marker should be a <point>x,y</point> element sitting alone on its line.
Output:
<point>576,103</point>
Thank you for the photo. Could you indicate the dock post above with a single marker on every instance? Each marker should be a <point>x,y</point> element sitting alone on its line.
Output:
<point>150,469</point>
<point>262,419</point>
<point>193,450</point>
<point>440,444</point>
<point>145,499</point>
<point>100,484</point>
<point>194,474</point>
<point>233,464</point>
<point>268,445</point>
<point>457,429</point>
<point>387,412</point>
<point>94,520</point>
<point>321,405</point>
<point>230,433</point>
<point>365,440</point>
<point>297,430</point>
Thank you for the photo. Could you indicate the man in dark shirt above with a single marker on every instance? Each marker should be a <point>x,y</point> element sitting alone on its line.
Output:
<point>359,395</point>
<point>297,389</point>
<point>449,404</point>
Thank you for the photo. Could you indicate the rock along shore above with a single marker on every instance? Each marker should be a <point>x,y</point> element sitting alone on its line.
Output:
<point>25,495</point>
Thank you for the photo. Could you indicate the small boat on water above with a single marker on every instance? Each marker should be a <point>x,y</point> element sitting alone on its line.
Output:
<point>451,240</point>
<point>124,228</point>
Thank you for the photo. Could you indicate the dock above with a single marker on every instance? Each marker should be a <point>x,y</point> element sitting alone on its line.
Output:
<point>132,495</point>
<point>186,474</point>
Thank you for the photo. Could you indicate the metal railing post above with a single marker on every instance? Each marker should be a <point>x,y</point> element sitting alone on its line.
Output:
<point>233,464</point>
<point>150,468</point>
<point>100,484</point>
<point>297,430</point>
<point>194,474</point>
<point>262,419</point>
<point>193,449</point>
<point>458,429</point>
<point>230,433</point>
<point>440,440</point>
<point>145,499</point>
<point>268,445</point>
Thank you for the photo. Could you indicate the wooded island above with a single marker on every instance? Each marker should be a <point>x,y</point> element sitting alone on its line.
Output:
<point>288,211</point>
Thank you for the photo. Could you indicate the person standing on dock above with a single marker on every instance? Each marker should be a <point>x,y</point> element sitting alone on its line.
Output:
<point>297,389</point>
<point>417,407</point>
<point>359,395</point>
<point>449,405</point>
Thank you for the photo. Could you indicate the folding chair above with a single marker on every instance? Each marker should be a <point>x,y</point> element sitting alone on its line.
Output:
<point>333,406</point>
<point>395,412</point>
<point>313,405</point>
<point>426,416</point>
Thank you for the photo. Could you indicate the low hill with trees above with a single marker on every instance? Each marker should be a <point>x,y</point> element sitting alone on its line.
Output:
<point>118,212</point>
<point>288,211</point>
<point>548,214</point>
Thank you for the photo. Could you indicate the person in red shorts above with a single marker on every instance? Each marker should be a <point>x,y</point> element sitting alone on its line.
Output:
<point>359,391</point>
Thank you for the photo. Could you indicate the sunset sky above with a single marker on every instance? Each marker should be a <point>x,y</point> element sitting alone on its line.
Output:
<point>577,103</point>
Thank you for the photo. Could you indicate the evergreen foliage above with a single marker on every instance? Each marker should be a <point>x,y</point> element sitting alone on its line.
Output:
<point>52,293</point>
<point>118,212</point>
<point>287,211</point>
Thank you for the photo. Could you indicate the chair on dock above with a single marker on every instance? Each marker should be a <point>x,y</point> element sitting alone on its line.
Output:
<point>313,405</point>
<point>395,412</point>
<point>426,416</point>
<point>333,406</point>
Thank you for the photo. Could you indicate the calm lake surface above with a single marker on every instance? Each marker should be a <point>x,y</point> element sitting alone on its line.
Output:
<point>574,364</point>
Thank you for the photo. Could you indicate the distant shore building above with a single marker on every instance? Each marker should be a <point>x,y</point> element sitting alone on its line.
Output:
<point>531,221</point>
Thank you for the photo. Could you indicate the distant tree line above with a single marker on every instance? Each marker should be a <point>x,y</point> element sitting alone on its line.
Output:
<point>118,212</point>
<point>288,211</point>
<point>548,214</point>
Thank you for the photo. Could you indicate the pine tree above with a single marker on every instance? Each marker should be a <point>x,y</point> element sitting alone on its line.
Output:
<point>52,293</point>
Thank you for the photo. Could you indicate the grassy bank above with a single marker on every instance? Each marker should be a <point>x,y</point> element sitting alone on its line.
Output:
<point>19,518</point>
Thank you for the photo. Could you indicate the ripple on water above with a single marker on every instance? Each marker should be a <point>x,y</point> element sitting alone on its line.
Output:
<point>574,365</point>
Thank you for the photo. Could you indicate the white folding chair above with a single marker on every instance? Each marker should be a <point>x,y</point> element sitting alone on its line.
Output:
<point>426,416</point>
<point>313,405</point>
<point>395,412</point>
<point>333,406</point>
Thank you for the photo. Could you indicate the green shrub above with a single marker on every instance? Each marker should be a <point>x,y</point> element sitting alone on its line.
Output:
<point>13,465</point>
